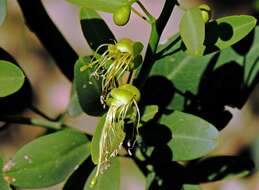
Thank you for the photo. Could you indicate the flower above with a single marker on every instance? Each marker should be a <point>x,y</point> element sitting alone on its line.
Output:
<point>122,103</point>
<point>112,64</point>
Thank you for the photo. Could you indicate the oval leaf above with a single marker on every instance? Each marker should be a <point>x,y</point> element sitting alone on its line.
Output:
<point>3,11</point>
<point>47,160</point>
<point>3,183</point>
<point>11,78</point>
<point>94,28</point>
<point>192,31</point>
<point>101,5</point>
<point>226,31</point>
<point>192,137</point>
<point>89,89</point>
<point>109,180</point>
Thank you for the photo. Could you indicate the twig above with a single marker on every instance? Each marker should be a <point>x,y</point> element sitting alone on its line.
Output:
<point>157,29</point>
<point>32,121</point>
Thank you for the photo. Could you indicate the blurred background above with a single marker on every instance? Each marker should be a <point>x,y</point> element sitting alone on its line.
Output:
<point>52,90</point>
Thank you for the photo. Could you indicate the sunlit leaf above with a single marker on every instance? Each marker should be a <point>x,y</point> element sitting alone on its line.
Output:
<point>192,31</point>
<point>47,160</point>
<point>11,78</point>
<point>3,183</point>
<point>192,137</point>
<point>226,31</point>
<point>101,5</point>
<point>149,113</point>
<point>74,108</point>
<point>109,180</point>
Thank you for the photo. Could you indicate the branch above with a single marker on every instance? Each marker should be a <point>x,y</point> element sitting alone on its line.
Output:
<point>157,29</point>
<point>32,121</point>
<point>165,15</point>
<point>42,26</point>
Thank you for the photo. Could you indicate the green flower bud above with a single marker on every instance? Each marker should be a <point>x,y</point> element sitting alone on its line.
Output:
<point>120,97</point>
<point>122,15</point>
<point>125,46</point>
<point>123,95</point>
<point>131,89</point>
<point>205,12</point>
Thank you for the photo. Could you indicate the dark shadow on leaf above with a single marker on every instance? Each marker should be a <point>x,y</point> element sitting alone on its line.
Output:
<point>157,91</point>
<point>214,32</point>
<point>154,134</point>
<point>218,88</point>
<point>225,31</point>
<point>217,168</point>
<point>169,174</point>
<point>78,178</point>
<point>244,45</point>
<point>96,33</point>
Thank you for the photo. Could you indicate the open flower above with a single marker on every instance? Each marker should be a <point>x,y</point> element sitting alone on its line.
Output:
<point>112,64</point>
<point>122,103</point>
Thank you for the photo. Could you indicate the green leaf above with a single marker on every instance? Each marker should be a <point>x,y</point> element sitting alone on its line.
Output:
<point>96,139</point>
<point>101,5</point>
<point>48,160</point>
<point>184,71</point>
<point>149,179</point>
<point>226,31</point>
<point>95,29</point>
<point>74,108</point>
<point>109,180</point>
<point>192,137</point>
<point>191,187</point>
<point>192,31</point>
<point>3,183</point>
<point>149,113</point>
<point>187,73</point>
<point>11,78</point>
<point>89,89</point>
<point>3,11</point>
<point>251,64</point>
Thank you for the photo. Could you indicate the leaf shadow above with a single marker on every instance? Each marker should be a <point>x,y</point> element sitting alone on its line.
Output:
<point>214,32</point>
<point>220,86</point>
<point>96,32</point>
<point>78,178</point>
<point>224,86</point>
<point>168,174</point>
<point>217,168</point>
